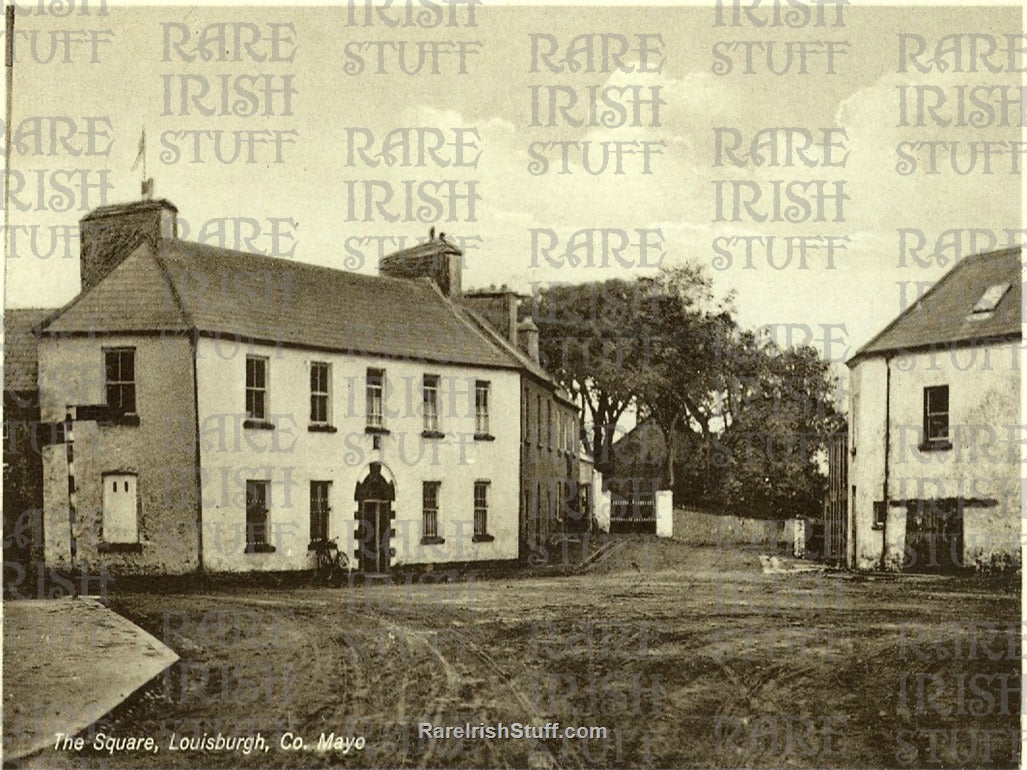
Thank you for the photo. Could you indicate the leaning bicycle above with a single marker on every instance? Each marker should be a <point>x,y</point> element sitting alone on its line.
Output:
<point>331,566</point>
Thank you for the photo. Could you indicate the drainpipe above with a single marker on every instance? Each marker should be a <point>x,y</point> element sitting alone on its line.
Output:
<point>887,450</point>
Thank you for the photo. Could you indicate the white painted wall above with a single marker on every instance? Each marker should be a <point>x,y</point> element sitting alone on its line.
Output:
<point>291,456</point>
<point>984,462</point>
<point>664,513</point>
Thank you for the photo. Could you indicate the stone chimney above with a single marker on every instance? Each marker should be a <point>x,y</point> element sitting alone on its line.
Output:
<point>107,235</point>
<point>498,307</point>
<point>527,333</point>
<point>436,258</point>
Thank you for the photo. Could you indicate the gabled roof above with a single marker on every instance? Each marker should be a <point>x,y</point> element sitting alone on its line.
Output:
<point>526,362</point>
<point>188,286</point>
<point>943,315</point>
<point>21,334</point>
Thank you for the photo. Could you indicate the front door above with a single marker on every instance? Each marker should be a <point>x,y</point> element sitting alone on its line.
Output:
<point>934,535</point>
<point>375,525</point>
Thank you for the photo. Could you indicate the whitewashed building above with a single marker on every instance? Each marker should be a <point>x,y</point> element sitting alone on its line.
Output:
<point>935,434</point>
<point>223,411</point>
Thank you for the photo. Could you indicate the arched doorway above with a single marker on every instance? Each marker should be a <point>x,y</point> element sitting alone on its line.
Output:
<point>374,496</point>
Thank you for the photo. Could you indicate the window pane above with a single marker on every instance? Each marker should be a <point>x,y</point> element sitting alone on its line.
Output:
<point>938,400</point>
<point>127,361</point>
<point>128,401</point>
<point>938,426</point>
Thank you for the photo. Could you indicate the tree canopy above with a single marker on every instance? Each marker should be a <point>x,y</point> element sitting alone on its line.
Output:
<point>745,418</point>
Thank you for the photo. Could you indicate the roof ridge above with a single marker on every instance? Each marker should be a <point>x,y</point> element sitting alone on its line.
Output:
<point>302,264</point>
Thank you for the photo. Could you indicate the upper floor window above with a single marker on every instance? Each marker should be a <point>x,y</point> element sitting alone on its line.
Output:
<point>375,398</point>
<point>936,414</point>
<point>320,378</point>
<point>120,379</point>
<point>430,401</point>
<point>538,419</point>
<point>256,387</point>
<point>526,418</point>
<point>549,424</point>
<point>481,407</point>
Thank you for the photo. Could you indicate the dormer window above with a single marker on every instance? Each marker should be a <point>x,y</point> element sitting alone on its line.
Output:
<point>989,300</point>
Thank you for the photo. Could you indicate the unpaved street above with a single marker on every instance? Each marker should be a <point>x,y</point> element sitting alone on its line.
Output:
<point>690,656</point>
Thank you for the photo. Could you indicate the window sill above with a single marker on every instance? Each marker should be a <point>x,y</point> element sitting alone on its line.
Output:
<point>377,430</point>
<point>432,434</point>
<point>258,424</point>
<point>484,437</point>
<point>936,445</point>
<point>877,527</point>
<point>120,547</point>
<point>432,540</point>
<point>259,548</point>
<point>320,427</point>
<point>483,538</point>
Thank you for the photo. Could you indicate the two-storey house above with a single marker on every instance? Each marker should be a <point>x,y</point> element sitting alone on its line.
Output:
<point>935,430</point>
<point>224,411</point>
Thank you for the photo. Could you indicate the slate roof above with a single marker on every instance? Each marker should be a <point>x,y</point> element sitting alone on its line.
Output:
<point>525,361</point>
<point>21,335</point>
<point>187,286</point>
<point>942,316</point>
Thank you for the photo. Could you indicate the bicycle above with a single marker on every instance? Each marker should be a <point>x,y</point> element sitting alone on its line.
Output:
<point>332,566</point>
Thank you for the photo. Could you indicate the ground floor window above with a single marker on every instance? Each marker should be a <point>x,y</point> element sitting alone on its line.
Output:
<point>430,510</point>
<point>257,516</point>
<point>120,508</point>
<point>319,509</point>
<point>481,510</point>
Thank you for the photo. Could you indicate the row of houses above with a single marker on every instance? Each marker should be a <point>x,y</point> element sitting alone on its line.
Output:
<point>195,408</point>
<point>199,409</point>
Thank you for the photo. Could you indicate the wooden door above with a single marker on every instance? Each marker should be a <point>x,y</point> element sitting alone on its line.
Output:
<point>375,541</point>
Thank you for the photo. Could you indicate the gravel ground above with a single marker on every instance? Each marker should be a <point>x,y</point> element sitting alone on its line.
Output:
<point>689,656</point>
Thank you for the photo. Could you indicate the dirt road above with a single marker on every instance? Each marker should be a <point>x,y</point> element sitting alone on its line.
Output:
<point>688,656</point>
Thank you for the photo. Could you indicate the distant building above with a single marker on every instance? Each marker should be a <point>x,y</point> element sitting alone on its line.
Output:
<point>224,411</point>
<point>934,444</point>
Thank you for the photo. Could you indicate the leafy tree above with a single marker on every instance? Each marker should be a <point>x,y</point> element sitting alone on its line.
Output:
<point>778,413</point>
<point>592,339</point>
<point>678,388</point>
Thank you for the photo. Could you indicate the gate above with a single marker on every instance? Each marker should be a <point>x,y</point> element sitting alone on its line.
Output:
<point>635,515</point>
<point>836,505</point>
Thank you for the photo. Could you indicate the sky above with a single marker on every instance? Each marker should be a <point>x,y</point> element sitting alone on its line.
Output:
<point>112,72</point>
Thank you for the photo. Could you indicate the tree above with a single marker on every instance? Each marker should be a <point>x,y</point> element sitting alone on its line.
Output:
<point>593,341</point>
<point>778,413</point>
<point>677,390</point>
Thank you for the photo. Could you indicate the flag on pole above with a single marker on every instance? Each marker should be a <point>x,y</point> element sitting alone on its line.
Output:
<point>141,155</point>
